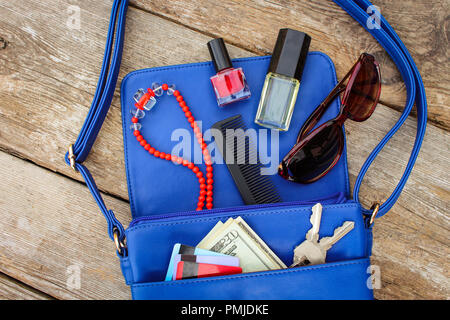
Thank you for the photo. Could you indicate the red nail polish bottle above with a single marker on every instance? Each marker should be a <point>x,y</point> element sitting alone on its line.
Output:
<point>229,83</point>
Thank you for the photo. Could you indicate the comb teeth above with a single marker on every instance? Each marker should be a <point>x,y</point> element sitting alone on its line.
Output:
<point>253,187</point>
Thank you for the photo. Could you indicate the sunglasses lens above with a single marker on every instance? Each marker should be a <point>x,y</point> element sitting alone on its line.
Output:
<point>318,155</point>
<point>365,91</point>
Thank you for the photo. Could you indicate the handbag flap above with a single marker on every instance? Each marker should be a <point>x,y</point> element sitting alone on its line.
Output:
<point>157,186</point>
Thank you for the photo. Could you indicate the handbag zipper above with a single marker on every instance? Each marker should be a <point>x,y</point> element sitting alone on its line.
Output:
<point>334,199</point>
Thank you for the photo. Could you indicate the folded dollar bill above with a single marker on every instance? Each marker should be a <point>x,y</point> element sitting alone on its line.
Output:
<point>236,238</point>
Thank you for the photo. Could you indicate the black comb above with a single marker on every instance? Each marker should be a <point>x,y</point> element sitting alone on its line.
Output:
<point>245,167</point>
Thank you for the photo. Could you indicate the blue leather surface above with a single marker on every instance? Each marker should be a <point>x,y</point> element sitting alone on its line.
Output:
<point>281,227</point>
<point>153,184</point>
<point>334,281</point>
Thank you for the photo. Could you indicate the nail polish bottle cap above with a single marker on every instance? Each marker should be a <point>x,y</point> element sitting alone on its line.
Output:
<point>219,54</point>
<point>289,54</point>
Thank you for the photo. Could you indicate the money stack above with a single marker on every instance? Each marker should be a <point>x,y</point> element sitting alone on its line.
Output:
<point>236,238</point>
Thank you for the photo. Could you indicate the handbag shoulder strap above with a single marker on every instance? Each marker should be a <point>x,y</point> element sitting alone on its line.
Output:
<point>360,10</point>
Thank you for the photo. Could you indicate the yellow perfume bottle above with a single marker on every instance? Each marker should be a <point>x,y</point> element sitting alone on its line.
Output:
<point>282,82</point>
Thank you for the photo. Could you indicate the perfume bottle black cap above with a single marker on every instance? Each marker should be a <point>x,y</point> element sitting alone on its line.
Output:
<point>289,54</point>
<point>219,54</point>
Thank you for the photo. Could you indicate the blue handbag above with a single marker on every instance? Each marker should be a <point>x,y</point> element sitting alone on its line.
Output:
<point>159,222</point>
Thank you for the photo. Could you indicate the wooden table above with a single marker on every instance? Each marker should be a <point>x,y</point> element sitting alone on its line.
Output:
<point>51,230</point>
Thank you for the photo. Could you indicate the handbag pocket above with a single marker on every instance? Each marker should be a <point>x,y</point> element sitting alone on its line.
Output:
<point>338,280</point>
<point>282,227</point>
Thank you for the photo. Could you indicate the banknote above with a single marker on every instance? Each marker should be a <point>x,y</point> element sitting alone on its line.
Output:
<point>236,238</point>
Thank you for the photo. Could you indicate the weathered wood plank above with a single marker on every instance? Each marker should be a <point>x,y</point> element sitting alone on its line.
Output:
<point>413,238</point>
<point>52,232</point>
<point>44,95</point>
<point>254,25</point>
<point>10,289</point>
<point>49,74</point>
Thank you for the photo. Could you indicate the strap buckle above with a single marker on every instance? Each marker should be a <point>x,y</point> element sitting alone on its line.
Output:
<point>72,158</point>
<point>375,208</point>
<point>120,245</point>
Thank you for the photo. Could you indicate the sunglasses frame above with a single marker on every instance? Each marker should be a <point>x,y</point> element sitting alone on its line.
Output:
<point>305,134</point>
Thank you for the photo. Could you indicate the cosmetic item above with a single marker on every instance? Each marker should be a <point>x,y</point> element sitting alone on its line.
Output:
<point>282,83</point>
<point>229,83</point>
<point>238,154</point>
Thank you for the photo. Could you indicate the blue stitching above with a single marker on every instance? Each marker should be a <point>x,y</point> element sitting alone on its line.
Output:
<point>248,276</point>
<point>151,224</point>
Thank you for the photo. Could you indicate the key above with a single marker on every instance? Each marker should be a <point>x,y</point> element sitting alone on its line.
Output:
<point>306,248</point>
<point>327,242</point>
<point>312,251</point>
<point>316,217</point>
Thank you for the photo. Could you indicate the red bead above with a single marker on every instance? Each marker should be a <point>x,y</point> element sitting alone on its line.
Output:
<point>192,124</point>
<point>139,138</point>
<point>136,133</point>
<point>191,119</point>
<point>185,109</point>
<point>209,175</point>
<point>151,150</point>
<point>210,181</point>
<point>147,147</point>
<point>201,199</point>
<point>180,160</point>
<point>209,194</point>
<point>205,151</point>
<point>209,199</point>
<point>180,98</point>
<point>203,192</point>
<point>134,120</point>
<point>209,169</point>
<point>201,180</point>
<point>205,146</point>
<point>185,163</point>
<point>176,93</point>
<point>165,87</point>
<point>188,114</point>
<point>199,174</point>
<point>143,143</point>
<point>162,155</point>
<point>197,130</point>
<point>196,169</point>
<point>203,186</point>
<point>156,154</point>
<point>182,103</point>
<point>168,157</point>
<point>198,209</point>
<point>209,205</point>
<point>209,187</point>
<point>174,158</point>
<point>191,165</point>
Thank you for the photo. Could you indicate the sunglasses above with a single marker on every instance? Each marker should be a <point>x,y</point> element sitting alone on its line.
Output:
<point>317,151</point>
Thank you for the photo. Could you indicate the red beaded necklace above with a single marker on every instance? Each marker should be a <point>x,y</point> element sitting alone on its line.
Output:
<point>145,101</point>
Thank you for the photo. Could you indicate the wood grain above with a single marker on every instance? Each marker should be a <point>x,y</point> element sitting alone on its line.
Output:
<point>11,289</point>
<point>254,25</point>
<point>47,85</point>
<point>52,232</point>
<point>49,75</point>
